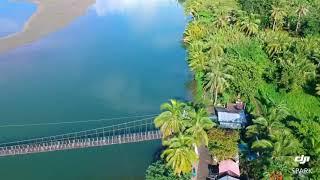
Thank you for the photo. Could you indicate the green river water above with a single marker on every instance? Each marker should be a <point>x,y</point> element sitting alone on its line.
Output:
<point>121,58</point>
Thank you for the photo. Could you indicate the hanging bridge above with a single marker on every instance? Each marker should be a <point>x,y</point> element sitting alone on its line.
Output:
<point>127,132</point>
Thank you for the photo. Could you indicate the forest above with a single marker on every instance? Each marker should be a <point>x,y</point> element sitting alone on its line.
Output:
<point>266,53</point>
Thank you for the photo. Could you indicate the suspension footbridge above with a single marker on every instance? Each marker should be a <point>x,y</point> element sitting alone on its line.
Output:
<point>127,132</point>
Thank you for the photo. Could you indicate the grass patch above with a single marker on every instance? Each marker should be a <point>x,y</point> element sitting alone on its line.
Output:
<point>301,105</point>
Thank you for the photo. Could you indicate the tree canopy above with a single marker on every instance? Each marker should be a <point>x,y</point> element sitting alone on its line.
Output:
<point>223,144</point>
<point>255,50</point>
<point>159,171</point>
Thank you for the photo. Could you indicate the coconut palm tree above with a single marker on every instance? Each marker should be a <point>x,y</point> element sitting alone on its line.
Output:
<point>180,154</point>
<point>198,124</point>
<point>269,121</point>
<point>198,60</point>
<point>277,42</point>
<point>171,120</point>
<point>273,139</point>
<point>310,46</point>
<point>296,70</point>
<point>249,24</point>
<point>221,20</point>
<point>301,11</point>
<point>219,39</point>
<point>309,132</point>
<point>277,16</point>
<point>192,8</point>
<point>194,31</point>
<point>282,146</point>
<point>217,77</point>
<point>263,127</point>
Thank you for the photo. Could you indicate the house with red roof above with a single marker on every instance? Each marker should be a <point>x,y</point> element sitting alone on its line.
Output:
<point>229,170</point>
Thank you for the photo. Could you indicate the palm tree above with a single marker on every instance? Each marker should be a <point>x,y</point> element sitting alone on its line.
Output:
<point>318,89</point>
<point>263,127</point>
<point>194,31</point>
<point>269,121</point>
<point>269,106</point>
<point>250,24</point>
<point>199,123</point>
<point>310,46</point>
<point>198,60</point>
<point>217,41</point>
<point>301,11</point>
<point>296,70</point>
<point>273,139</point>
<point>217,77</point>
<point>221,20</point>
<point>192,7</point>
<point>283,146</point>
<point>180,154</point>
<point>171,121</point>
<point>309,132</point>
<point>277,16</point>
<point>277,42</point>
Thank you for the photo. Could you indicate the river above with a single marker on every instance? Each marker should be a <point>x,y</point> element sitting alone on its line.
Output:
<point>121,58</point>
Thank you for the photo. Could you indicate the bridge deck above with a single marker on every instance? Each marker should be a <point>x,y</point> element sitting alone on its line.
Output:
<point>59,145</point>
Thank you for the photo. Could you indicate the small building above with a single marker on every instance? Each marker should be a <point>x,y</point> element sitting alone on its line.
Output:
<point>232,116</point>
<point>227,177</point>
<point>225,170</point>
<point>229,170</point>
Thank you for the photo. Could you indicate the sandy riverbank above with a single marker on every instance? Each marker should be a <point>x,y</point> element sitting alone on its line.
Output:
<point>50,16</point>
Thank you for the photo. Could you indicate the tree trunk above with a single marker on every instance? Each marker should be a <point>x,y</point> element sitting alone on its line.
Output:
<point>216,96</point>
<point>212,96</point>
<point>274,25</point>
<point>199,88</point>
<point>298,23</point>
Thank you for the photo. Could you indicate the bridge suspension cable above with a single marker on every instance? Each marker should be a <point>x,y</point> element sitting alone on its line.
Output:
<point>76,122</point>
<point>147,122</point>
<point>129,132</point>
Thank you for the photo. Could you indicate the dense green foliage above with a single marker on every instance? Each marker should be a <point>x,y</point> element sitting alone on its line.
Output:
<point>184,128</point>
<point>179,153</point>
<point>171,121</point>
<point>273,140</point>
<point>159,171</point>
<point>223,144</point>
<point>266,52</point>
<point>300,104</point>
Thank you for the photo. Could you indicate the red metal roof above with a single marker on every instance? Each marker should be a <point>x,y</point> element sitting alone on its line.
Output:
<point>229,167</point>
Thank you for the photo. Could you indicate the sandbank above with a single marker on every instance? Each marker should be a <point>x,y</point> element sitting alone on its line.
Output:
<point>50,16</point>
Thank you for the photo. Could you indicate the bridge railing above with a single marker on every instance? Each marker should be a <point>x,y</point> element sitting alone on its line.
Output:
<point>136,126</point>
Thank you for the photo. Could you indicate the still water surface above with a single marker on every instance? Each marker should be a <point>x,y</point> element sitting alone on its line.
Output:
<point>121,58</point>
<point>13,15</point>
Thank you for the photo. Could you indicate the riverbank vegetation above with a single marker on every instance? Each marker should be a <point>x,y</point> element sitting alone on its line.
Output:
<point>159,171</point>
<point>266,52</point>
<point>184,129</point>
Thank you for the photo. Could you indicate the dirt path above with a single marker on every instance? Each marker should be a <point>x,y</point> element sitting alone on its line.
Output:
<point>204,161</point>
